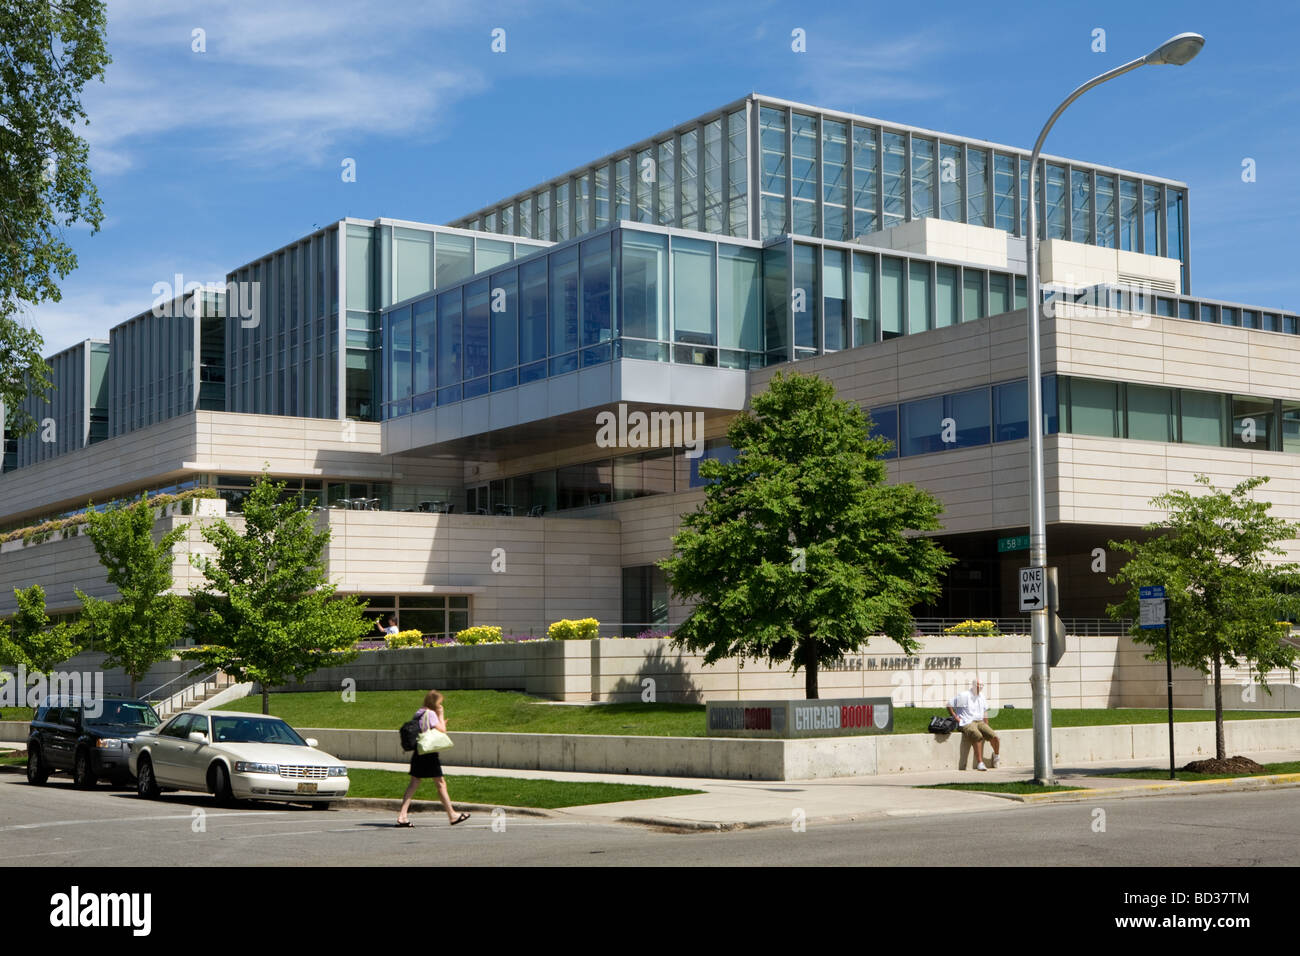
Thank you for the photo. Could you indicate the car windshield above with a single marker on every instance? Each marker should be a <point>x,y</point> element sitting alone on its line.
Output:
<point>123,713</point>
<point>254,730</point>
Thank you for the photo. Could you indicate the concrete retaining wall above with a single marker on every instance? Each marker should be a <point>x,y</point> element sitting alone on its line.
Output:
<point>1095,672</point>
<point>736,759</point>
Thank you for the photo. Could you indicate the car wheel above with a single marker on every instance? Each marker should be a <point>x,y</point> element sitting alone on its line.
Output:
<point>82,774</point>
<point>221,786</point>
<point>37,772</point>
<point>145,783</point>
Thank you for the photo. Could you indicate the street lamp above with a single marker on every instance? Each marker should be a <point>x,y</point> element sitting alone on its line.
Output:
<point>1175,51</point>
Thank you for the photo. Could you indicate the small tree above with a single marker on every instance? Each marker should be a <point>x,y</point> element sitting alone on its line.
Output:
<point>141,627</point>
<point>267,612</point>
<point>1225,599</point>
<point>28,639</point>
<point>800,549</point>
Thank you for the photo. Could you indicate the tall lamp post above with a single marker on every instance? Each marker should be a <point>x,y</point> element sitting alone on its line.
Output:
<point>1175,51</point>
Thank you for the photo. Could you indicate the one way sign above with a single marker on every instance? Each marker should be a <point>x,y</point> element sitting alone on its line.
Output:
<point>1033,589</point>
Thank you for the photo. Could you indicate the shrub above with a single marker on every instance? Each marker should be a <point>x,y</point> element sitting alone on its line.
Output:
<point>973,629</point>
<point>480,634</point>
<point>405,639</point>
<point>653,633</point>
<point>566,630</point>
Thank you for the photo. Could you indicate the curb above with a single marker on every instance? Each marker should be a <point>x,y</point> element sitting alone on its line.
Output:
<point>428,806</point>
<point>1280,781</point>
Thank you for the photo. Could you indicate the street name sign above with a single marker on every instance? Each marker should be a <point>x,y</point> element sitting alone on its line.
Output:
<point>1033,589</point>
<point>1151,607</point>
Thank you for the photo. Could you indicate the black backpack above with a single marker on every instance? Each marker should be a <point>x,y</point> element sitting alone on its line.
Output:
<point>943,725</point>
<point>410,733</point>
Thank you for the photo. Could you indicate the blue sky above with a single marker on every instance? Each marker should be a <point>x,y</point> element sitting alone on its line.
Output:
<point>208,160</point>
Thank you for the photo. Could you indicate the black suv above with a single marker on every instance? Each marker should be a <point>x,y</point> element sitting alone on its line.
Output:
<point>89,736</point>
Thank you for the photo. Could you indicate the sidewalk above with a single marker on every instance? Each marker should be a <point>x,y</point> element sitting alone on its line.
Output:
<point>727,804</point>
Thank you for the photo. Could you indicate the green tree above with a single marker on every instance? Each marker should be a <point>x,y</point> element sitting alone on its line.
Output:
<point>28,639</point>
<point>49,50</point>
<point>800,549</point>
<point>1225,598</point>
<point>142,626</point>
<point>267,611</point>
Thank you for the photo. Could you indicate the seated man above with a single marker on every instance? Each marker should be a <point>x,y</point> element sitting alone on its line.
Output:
<point>970,708</point>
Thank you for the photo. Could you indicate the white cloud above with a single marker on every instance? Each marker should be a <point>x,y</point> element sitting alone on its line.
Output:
<point>289,83</point>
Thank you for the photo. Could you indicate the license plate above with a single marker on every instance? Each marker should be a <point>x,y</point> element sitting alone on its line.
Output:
<point>306,788</point>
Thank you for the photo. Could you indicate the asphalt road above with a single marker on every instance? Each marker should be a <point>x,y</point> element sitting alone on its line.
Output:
<point>57,825</point>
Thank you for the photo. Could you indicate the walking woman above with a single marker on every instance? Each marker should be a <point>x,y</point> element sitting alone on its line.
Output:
<point>428,765</point>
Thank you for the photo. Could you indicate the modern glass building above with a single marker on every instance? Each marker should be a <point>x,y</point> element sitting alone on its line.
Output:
<point>433,390</point>
<point>74,412</point>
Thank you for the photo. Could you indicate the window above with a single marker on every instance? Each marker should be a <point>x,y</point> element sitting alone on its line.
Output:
<point>1128,215</point>
<point>947,309</point>
<point>1252,422</point>
<point>1150,413</point>
<point>1094,408</point>
<point>579,486</point>
<point>834,300</point>
<point>776,303</point>
<point>454,256</point>
<point>601,196</point>
<point>1011,411</point>
<point>922,178</point>
<point>891,297</point>
<point>774,172</point>
<point>738,173</point>
<point>715,209</point>
<point>690,180</point>
<point>865,191</point>
<point>645,599</point>
<point>865,320</point>
<point>999,293</point>
<point>921,425</point>
<point>966,419</point>
<point>667,181</point>
<point>1202,418</point>
<point>693,292</point>
<point>1004,192</point>
<point>1152,227</point>
<point>1106,211</point>
<point>564,301</point>
<point>413,261</point>
<point>1056,199</point>
<point>950,176</point>
<point>542,225</point>
<point>449,329</point>
<point>597,282</point>
<point>477,329</point>
<point>895,199</point>
<point>623,189</point>
<point>561,210</point>
<point>1081,193</point>
<point>805,299</point>
<point>977,187</point>
<point>581,192</point>
<point>803,174</point>
<point>505,320</point>
<point>972,295</point>
<point>532,311</point>
<point>918,297</point>
<point>645,285</point>
<point>884,423</point>
<point>739,316</point>
<point>835,186</point>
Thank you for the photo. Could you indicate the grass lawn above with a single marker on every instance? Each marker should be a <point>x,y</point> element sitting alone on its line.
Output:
<point>16,713</point>
<point>1018,786</point>
<point>506,791</point>
<point>13,758</point>
<point>1145,773</point>
<point>513,712</point>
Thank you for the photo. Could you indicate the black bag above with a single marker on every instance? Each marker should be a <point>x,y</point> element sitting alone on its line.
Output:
<point>943,725</point>
<point>410,733</point>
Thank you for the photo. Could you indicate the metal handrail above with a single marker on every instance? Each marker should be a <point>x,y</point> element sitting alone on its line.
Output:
<point>153,694</point>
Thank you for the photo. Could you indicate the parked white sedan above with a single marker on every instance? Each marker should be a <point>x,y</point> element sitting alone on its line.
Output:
<point>236,757</point>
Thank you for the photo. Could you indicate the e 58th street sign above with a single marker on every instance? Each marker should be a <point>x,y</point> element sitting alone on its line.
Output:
<point>1033,589</point>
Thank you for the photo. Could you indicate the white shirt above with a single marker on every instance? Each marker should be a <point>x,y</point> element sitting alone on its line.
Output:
<point>970,707</point>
